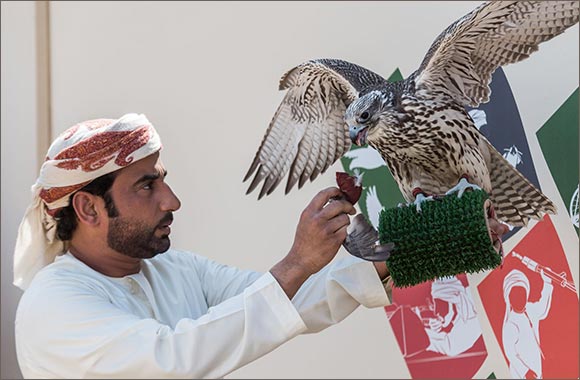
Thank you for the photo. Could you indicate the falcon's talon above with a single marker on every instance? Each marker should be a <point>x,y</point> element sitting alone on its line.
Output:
<point>420,198</point>
<point>461,187</point>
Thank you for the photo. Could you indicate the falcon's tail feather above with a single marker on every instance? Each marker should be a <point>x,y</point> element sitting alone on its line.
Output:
<point>515,199</point>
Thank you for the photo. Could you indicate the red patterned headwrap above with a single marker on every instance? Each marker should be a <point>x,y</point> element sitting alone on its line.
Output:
<point>81,154</point>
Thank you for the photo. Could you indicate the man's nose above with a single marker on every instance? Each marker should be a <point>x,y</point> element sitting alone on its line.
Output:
<point>170,201</point>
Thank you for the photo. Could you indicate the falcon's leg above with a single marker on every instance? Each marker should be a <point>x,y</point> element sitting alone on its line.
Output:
<point>420,197</point>
<point>462,186</point>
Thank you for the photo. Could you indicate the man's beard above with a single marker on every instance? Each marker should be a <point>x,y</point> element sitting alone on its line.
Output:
<point>136,239</point>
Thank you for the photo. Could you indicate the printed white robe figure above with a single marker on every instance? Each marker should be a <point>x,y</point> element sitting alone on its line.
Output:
<point>456,327</point>
<point>520,334</point>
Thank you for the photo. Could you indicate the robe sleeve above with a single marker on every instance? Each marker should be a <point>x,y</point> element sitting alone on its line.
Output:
<point>540,309</point>
<point>221,282</point>
<point>337,290</point>
<point>80,334</point>
<point>326,298</point>
<point>66,328</point>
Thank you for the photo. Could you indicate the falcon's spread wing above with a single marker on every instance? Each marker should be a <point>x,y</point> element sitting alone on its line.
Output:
<point>308,133</point>
<point>463,57</point>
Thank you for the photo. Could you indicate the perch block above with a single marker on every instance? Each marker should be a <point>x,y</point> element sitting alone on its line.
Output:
<point>449,236</point>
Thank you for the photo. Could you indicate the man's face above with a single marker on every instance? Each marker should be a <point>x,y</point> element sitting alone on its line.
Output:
<point>518,299</point>
<point>445,311</point>
<point>145,205</point>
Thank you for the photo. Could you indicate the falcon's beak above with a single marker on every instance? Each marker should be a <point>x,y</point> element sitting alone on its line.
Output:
<point>358,134</point>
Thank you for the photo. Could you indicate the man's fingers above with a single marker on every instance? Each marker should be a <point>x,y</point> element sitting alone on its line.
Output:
<point>337,207</point>
<point>338,222</point>
<point>324,196</point>
<point>341,233</point>
<point>499,228</point>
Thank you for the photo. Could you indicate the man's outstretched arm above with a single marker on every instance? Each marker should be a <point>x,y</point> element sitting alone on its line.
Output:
<point>319,235</point>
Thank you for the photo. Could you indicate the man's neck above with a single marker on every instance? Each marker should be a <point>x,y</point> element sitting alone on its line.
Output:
<point>106,261</point>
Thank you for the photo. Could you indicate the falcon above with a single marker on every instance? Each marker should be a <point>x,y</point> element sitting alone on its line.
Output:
<point>419,125</point>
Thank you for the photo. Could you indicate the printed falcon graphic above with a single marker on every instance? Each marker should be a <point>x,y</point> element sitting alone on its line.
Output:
<point>419,125</point>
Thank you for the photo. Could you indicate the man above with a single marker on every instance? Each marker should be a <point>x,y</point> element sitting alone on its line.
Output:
<point>101,301</point>
<point>456,328</point>
<point>521,326</point>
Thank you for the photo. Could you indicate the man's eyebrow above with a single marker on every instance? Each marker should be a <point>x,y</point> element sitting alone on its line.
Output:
<point>150,177</point>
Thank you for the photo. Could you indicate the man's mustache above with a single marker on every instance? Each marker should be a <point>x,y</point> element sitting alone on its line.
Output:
<point>168,218</point>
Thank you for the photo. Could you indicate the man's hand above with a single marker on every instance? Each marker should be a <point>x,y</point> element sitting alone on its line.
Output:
<point>382,269</point>
<point>319,234</point>
<point>496,230</point>
<point>321,230</point>
<point>435,324</point>
<point>546,279</point>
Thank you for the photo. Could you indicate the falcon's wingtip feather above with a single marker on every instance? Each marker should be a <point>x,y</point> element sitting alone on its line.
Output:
<point>288,78</point>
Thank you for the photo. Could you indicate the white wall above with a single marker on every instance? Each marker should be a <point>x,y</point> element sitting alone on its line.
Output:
<point>206,75</point>
<point>18,157</point>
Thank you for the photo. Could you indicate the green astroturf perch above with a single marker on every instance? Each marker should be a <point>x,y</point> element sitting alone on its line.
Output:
<point>448,237</point>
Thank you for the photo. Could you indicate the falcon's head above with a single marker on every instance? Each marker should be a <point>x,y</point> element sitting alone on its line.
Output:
<point>363,114</point>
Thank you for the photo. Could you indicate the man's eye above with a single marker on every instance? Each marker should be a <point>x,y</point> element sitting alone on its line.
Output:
<point>148,186</point>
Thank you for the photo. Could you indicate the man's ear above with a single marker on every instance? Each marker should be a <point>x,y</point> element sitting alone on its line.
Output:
<point>88,208</point>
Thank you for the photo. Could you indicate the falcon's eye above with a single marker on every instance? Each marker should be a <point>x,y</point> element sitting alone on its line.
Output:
<point>364,116</point>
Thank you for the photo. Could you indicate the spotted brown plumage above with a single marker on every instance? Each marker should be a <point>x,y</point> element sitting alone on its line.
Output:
<point>419,125</point>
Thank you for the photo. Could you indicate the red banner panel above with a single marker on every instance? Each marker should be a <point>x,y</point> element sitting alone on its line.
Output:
<point>437,328</point>
<point>532,305</point>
